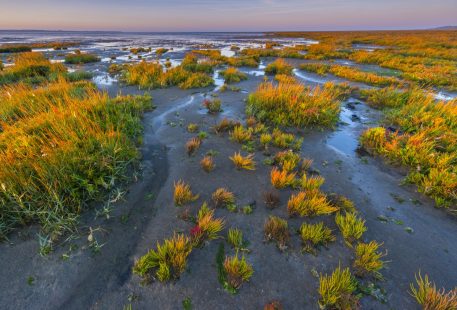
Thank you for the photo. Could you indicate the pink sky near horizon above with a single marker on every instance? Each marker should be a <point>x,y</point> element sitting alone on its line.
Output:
<point>218,15</point>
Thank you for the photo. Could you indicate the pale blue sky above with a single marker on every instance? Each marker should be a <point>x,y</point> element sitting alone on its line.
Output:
<point>225,15</point>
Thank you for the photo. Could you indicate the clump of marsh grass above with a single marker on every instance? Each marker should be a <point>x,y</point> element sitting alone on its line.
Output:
<point>309,203</point>
<point>243,162</point>
<point>240,134</point>
<point>192,145</point>
<point>80,146</point>
<point>429,297</point>
<point>223,198</point>
<point>167,262</point>
<point>351,226</point>
<point>27,47</point>
<point>282,178</point>
<point>311,183</point>
<point>78,76</point>
<point>315,235</point>
<point>197,80</point>
<point>321,69</point>
<point>233,75</point>
<point>287,160</point>
<point>78,58</point>
<point>207,227</point>
<point>342,203</point>
<point>138,50</point>
<point>207,164</point>
<point>192,127</point>
<point>237,271</point>
<point>235,239</point>
<point>388,97</point>
<point>337,290</point>
<point>277,229</point>
<point>160,51</point>
<point>212,105</point>
<point>244,61</point>
<point>183,194</point>
<point>265,140</point>
<point>32,68</point>
<point>279,66</point>
<point>424,131</point>
<point>271,199</point>
<point>285,140</point>
<point>225,125</point>
<point>192,63</point>
<point>251,122</point>
<point>352,74</point>
<point>151,75</point>
<point>290,103</point>
<point>273,305</point>
<point>368,259</point>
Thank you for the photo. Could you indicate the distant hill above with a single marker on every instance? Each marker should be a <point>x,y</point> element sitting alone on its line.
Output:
<point>445,28</point>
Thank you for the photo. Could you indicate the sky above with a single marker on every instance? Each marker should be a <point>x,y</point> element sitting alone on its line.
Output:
<point>226,15</point>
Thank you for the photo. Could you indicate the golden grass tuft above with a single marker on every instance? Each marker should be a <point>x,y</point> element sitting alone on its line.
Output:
<point>223,198</point>
<point>284,140</point>
<point>81,58</point>
<point>213,105</point>
<point>235,238</point>
<point>368,259</point>
<point>183,194</point>
<point>192,145</point>
<point>207,164</point>
<point>279,66</point>
<point>240,134</point>
<point>206,227</point>
<point>425,142</point>
<point>237,271</point>
<point>63,146</point>
<point>151,75</point>
<point>233,75</point>
<point>277,229</point>
<point>251,121</point>
<point>243,162</point>
<point>351,226</point>
<point>282,178</point>
<point>192,127</point>
<point>314,235</point>
<point>32,68</point>
<point>287,160</point>
<point>265,139</point>
<point>342,203</point>
<point>431,298</point>
<point>167,262</point>
<point>311,183</point>
<point>352,74</point>
<point>225,125</point>
<point>273,305</point>
<point>309,203</point>
<point>337,290</point>
<point>290,103</point>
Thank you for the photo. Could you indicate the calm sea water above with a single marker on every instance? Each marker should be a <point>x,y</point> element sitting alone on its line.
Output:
<point>151,39</point>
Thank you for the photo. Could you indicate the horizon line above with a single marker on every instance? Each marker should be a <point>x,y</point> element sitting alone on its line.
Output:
<point>230,31</point>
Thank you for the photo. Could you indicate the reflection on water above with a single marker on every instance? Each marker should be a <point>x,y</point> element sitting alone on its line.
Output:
<point>103,80</point>
<point>345,140</point>
<point>218,80</point>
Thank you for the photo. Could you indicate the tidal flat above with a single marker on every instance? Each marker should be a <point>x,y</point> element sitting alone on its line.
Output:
<point>227,170</point>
